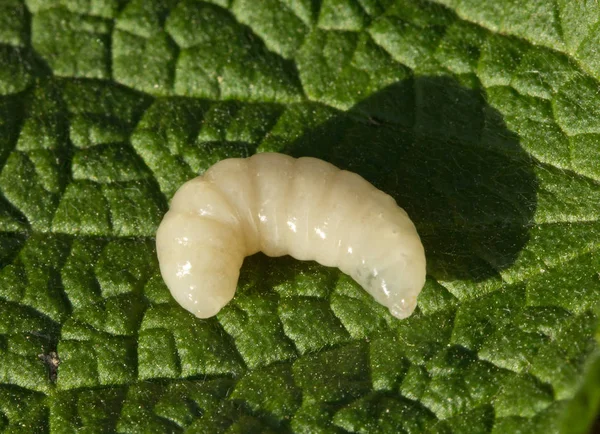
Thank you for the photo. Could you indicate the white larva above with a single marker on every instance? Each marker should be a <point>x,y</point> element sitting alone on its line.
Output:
<point>279,205</point>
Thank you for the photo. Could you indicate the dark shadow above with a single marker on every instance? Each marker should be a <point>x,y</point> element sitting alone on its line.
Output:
<point>448,159</point>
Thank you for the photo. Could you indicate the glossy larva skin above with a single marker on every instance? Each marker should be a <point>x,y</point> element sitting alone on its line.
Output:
<point>305,208</point>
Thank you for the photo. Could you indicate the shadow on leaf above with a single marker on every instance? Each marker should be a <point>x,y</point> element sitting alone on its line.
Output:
<point>448,159</point>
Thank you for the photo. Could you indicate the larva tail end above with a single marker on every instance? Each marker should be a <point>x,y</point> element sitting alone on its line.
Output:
<point>199,261</point>
<point>206,294</point>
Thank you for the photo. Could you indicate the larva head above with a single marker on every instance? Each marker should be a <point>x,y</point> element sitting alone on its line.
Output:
<point>394,265</point>
<point>400,285</point>
<point>410,280</point>
<point>403,301</point>
<point>403,307</point>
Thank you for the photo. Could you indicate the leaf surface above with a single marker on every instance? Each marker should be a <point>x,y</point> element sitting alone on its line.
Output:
<point>480,118</point>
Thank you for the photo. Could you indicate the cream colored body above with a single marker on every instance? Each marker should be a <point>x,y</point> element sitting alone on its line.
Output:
<point>279,205</point>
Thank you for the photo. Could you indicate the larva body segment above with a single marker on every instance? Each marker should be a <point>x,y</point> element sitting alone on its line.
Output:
<point>305,208</point>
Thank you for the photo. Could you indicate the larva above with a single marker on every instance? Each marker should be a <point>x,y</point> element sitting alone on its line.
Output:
<point>304,207</point>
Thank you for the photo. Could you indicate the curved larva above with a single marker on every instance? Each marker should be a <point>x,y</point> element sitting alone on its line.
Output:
<point>280,205</point>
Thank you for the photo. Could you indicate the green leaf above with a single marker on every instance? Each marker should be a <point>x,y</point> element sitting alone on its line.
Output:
<point>481,119</point>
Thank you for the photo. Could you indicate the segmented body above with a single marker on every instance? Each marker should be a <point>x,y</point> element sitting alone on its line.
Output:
<point>304,207</point>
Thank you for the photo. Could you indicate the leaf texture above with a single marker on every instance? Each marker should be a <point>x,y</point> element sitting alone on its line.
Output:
<point>481,118</point>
